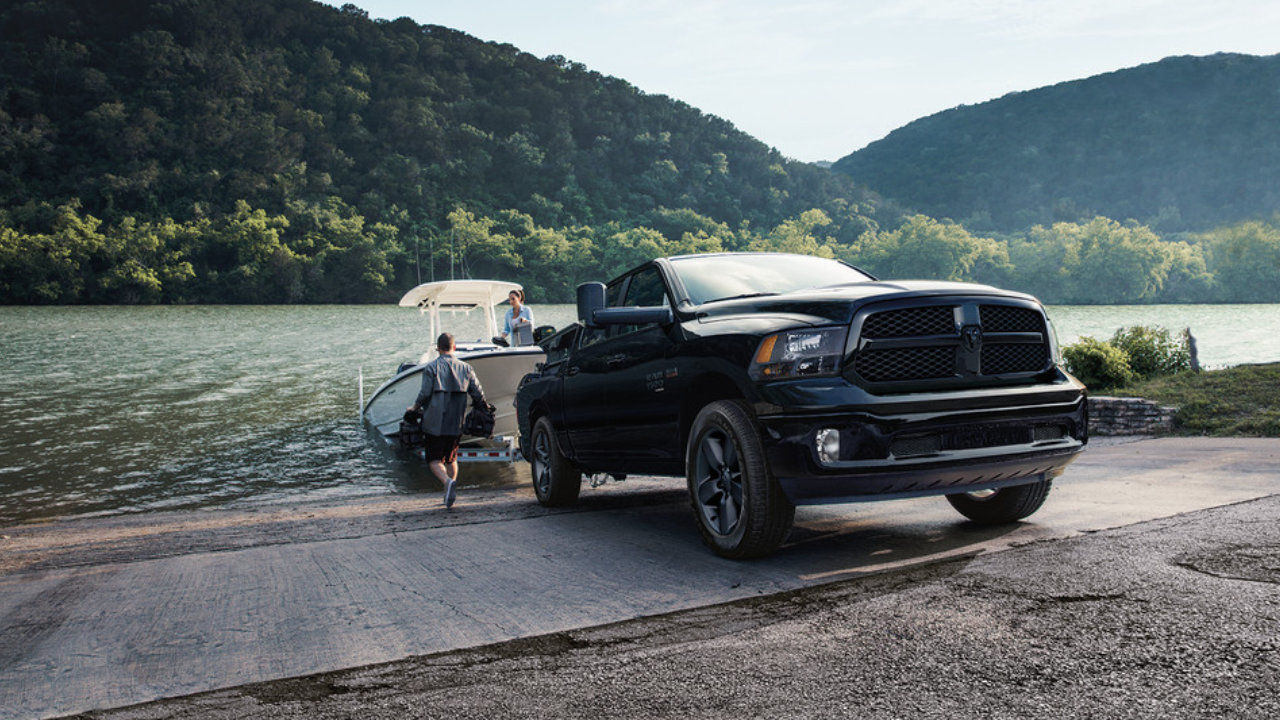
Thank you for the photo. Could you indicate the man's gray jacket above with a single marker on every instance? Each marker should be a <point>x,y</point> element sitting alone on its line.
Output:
<point>446,383</point>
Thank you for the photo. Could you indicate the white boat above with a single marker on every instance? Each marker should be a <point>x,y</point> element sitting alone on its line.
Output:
<point>498,368</point>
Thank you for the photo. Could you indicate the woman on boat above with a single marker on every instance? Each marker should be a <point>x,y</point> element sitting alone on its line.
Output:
<point>518,320</point>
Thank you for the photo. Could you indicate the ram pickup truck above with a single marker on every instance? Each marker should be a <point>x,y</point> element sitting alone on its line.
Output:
<point>772,380</point>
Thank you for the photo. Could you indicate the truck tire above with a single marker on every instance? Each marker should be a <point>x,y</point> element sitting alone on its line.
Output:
<point>556,480</point>
<point>740,509</point>
<point>1006,505</point>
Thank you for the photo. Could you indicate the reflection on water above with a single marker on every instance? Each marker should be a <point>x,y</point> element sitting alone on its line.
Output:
<point>109,409</point>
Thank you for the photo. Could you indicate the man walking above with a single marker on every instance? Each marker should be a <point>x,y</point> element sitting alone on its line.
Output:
<point>446,383</point>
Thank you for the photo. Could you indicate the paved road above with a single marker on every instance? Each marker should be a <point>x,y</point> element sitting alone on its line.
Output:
<point>1172,618</point>
<point>106,613</point>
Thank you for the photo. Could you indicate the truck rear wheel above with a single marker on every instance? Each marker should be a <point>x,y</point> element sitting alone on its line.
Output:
<point>740,509</point>
<point>1006,505</point>
<point>556,480</point>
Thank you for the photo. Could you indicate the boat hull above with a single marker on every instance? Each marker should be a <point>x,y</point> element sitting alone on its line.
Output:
<point>499,372</point>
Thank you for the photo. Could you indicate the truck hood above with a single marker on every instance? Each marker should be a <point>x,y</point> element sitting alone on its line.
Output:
<point>837,304</point>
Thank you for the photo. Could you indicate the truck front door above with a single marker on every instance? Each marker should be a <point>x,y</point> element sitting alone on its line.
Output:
<point>589,420</point>
<point>646,382</point>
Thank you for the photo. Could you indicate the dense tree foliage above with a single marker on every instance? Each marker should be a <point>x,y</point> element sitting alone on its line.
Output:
<point>351,140</point>
<point>1187,143</point>
<point>333,255</point>
<point>925,248</point>
<point>203,151</point>
<point>1246,261</point>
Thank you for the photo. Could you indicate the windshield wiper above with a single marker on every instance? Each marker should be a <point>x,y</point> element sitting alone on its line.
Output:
<point>744,295</point>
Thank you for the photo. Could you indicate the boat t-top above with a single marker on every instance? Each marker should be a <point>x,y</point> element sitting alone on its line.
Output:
<point>499,368</point>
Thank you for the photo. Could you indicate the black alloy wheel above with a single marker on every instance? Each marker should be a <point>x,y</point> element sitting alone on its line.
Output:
<point>556,480</point>
<point>719,482</point>
<point>740,509</point>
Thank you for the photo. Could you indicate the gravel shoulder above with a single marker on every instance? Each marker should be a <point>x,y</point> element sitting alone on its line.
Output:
<point>1177,617</point>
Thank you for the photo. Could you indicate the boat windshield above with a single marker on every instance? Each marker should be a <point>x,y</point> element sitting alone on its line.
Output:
<point>720,277</point>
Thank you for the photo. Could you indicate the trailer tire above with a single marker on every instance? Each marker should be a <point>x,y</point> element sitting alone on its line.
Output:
<point>556,480</point>
<point>740,509</point>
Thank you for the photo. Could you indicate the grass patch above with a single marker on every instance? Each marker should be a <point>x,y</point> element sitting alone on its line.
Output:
<point>1242,400</point>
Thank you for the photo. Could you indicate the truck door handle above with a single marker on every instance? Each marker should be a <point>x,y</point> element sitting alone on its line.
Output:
<point>616,359</point>
<point>571,370</point>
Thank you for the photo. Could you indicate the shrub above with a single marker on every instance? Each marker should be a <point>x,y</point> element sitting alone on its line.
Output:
<point>1153,352</point>
<point>1097,363</point>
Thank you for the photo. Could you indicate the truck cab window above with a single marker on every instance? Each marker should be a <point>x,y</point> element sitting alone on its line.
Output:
<point>646,290</point>
<point>559,347</point>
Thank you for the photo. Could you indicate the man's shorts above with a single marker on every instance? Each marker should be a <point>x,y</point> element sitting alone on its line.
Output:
<point>442,447</point>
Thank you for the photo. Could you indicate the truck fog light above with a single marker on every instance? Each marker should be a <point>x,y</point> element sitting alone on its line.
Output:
<point>827,441</point>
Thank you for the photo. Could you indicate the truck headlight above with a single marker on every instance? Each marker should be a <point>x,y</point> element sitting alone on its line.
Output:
<point>802,352</point>
<point>1055,350</point>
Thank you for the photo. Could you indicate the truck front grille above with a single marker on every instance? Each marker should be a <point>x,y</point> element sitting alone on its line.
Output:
<point>1003,358</point>
<point>948,344</point>
<point>1009,318</point>
<point>973,437</point>
<point>912,321</point>
<point>907,363</point>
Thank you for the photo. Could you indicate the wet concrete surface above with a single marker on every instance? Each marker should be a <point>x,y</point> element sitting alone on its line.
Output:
<point>1173,618</point>
<point>105,613</point>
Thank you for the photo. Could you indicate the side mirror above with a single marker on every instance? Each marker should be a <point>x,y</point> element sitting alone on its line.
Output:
<point>590,299</point>
<point>660,314</point>
<point>593,314</point>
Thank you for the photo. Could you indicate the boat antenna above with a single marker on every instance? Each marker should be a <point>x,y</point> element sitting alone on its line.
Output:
<point>450,253</point>
<point>417,254</point>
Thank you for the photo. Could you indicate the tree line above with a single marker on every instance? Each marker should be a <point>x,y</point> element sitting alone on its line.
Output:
<point>333,254</point>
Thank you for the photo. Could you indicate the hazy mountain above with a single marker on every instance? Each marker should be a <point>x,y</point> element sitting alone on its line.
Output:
<point>1183,143</point>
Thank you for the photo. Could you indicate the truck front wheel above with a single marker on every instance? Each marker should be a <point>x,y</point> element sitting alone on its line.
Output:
<point>1006,505</point>
<point>556,480</point>
<point>740,509</point>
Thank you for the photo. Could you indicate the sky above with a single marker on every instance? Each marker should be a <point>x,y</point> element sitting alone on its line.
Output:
<point>818,79</point>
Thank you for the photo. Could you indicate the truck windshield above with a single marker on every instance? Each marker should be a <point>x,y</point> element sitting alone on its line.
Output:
<point>719,277</point>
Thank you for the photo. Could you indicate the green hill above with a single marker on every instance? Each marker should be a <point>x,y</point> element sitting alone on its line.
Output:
<point>1187,143</point>
<point>282,151</point>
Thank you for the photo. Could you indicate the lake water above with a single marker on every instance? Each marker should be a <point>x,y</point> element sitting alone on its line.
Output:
<point>109,409</point>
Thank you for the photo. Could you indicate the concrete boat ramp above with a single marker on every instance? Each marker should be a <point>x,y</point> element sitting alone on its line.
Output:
<point>108,612</point>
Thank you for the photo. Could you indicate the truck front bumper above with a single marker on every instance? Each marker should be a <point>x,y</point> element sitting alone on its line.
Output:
<point>918,445</point>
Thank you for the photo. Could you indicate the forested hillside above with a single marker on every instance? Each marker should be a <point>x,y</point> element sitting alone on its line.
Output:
<point>1184,144</point>
<point>288,151</point>
<point>202,151</point>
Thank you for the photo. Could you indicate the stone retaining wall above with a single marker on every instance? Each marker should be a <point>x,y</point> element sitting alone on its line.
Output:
<point>1128,416</point>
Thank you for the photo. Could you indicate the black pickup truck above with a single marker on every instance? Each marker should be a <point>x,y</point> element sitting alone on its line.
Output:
<point>770,380</point>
